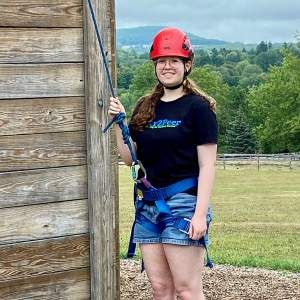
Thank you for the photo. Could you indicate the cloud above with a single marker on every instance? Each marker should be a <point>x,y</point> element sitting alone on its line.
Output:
<point>235,20</point>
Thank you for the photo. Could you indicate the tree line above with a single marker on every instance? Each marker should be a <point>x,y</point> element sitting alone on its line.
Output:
<point>257,93</point>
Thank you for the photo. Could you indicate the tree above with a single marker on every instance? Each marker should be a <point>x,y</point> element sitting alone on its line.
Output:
<point>201,58</point>
<point>239,138</point>
<point>275,108</point>
<point>216,58</point>
<point>233,56</point>
<point>270,45</point>
<point>251,75</point>
<point>211,82</point>
<point>229,74</point>
<point>261,47</point>
<point>266,59</point>
<point>124,76</point>
<point>143,81</point>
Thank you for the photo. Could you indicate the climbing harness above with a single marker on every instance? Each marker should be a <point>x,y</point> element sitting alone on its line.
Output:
<point>144,192</point>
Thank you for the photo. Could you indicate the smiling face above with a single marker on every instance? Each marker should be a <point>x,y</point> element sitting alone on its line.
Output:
<point>170,70</point>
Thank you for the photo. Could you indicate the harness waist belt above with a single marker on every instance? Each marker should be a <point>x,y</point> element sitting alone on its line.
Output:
<point>169,191</point>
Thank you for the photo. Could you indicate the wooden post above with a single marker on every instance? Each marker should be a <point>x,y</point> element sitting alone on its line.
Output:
<point>257,161</point>
<point>101,160</point>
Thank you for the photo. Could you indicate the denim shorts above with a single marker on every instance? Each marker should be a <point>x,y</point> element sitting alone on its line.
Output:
<point>181,204</point>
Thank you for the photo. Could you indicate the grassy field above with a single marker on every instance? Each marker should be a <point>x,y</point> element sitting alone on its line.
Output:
<point>256,217</point>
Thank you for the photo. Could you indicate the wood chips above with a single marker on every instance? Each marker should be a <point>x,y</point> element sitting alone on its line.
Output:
<point>220,283</point>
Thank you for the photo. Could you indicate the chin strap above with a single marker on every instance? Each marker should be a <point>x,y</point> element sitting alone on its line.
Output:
<point>173,87</point>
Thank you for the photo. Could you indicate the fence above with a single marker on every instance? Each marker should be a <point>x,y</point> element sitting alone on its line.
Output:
<point>288,160</point>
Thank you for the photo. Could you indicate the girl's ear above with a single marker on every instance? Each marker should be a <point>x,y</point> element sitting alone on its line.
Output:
<point>188,65</point>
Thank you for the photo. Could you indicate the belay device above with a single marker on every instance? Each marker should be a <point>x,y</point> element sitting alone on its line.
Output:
<point>144,192</point>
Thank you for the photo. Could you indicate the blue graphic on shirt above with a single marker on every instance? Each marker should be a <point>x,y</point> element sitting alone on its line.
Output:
<point>163,124</point>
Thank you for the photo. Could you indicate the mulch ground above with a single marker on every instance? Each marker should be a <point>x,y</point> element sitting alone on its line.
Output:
<point>222,282</point>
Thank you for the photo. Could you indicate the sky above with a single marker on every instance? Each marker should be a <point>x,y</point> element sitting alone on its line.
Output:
<point>247,21</point>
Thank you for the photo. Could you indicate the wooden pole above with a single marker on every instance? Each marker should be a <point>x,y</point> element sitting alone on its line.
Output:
<point>101,160</point>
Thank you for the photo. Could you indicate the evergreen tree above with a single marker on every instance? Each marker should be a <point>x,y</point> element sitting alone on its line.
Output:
<point>261,47</point>
<point>270,45</point>
<point>238,137</point>
<point>217,58</point>
<point>202,58</point>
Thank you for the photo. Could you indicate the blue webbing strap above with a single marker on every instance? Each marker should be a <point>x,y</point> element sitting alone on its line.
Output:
<point>170,190</point>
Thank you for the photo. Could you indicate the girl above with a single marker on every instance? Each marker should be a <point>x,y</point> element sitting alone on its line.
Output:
<point>175,131</point>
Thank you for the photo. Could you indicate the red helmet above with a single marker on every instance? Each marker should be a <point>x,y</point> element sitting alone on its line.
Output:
<point>171,42</point>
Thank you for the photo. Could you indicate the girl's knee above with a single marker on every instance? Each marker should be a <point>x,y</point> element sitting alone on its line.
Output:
<point>163,289</point>
<point>188,291</point>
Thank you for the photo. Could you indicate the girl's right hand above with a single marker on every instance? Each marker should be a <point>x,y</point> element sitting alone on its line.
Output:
<point>115,106</point>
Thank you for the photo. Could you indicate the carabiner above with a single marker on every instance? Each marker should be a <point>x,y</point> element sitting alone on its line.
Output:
<point>134,170</point>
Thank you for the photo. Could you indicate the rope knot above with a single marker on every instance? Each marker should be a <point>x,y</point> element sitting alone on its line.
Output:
<point>119,118</point>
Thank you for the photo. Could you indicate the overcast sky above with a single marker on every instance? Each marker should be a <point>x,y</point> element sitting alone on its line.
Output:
<point>246,21</point>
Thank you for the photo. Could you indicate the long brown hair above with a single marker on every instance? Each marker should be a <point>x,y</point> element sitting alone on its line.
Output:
<point>143,112</point>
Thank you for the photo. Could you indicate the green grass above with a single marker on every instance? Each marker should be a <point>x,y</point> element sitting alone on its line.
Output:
<point>256,217</point>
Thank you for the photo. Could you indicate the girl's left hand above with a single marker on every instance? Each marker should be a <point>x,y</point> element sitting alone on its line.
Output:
<point>198,227</point>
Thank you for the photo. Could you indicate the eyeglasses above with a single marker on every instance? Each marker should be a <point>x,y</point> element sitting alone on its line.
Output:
<point>173,62</point>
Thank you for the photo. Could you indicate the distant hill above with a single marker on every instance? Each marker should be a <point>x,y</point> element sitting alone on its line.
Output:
<point>142,37</point>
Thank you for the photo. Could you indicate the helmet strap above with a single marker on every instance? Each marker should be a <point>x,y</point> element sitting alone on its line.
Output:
<point>175,87</point>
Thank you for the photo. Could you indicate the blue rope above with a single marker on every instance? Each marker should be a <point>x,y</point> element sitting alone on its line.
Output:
<point>101,48</point>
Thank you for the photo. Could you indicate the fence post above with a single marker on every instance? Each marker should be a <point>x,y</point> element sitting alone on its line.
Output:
<point>290,161</point>
<point>258,161</point>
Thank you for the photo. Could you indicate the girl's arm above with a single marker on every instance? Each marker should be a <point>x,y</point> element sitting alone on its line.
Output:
<point>207,154</point>
<point>206,157</point>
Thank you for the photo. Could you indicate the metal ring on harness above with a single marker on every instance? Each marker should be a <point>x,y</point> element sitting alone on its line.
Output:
<point>134,171</point>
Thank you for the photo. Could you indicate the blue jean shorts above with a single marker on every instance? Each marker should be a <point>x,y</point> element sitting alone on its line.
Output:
<point>181,204</point>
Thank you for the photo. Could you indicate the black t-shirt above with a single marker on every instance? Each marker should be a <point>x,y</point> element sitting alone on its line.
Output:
<point>167,147</point>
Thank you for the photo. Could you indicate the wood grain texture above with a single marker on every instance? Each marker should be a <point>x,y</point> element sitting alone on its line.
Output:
<point>102,193</point>
<point>69,285</point>
<point>41,13</point>
<point>27,45</point>
<point>42,257</point>
<point>41,80</point>
<point>42,185</point>
<point>42,221</point>
<point>26,116</point>
<point>34,151</point>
